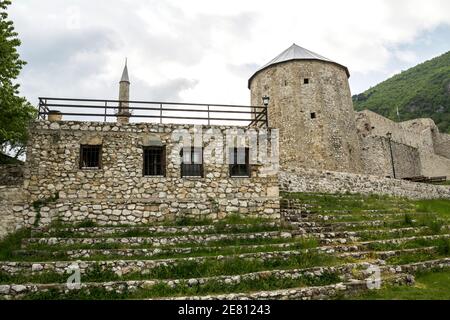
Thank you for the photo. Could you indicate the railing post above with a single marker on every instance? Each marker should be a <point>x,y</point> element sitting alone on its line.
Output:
<point>209,121</point>
<point>106,108</point>
<point>46,108</point>
<point>160,113</point>
<point>39,109</point>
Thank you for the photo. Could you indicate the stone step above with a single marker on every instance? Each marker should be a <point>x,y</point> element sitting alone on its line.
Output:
<point>206,229</point>
<point>385,254</point>
<point>122,267</point>
<point>195,239</point>
<point>151,252</point>
<point>345,272</point>
<point>306,213</point>
<point>337,247</point>
<point>305,293</point>
<point>162,240</point>
<point>364,244</point>
<point>356,224</point>
<point>350,218</point>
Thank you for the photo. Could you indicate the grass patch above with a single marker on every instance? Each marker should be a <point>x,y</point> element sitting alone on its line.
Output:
<point>411,244</point>
<point>43,255</point>
<point>183,289</point>
<point>439,206</point>
<point>429,286</point>
<point>186,269</point>
<point>217,228</point>
<point>412,257</point>
<point>355,203</point>
<point>12,242</point>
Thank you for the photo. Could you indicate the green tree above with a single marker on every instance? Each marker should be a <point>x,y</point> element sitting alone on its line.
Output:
<point>15,111</point>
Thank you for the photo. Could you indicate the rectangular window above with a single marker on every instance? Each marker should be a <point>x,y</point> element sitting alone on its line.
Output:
<point>306,81</point>
<point>90,156</point>
<point>154,161</point>
<point>313,115</point>
<point>192,162</point>
<point>239,162</point>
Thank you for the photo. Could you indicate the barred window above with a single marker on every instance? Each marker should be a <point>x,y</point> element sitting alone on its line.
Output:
<point>239,162</point>
<point>90,156</point>
<point>155,161</point>
<point>192,162</point>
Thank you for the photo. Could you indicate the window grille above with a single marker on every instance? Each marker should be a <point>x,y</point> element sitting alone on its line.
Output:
<point>239,162</point>
<point>90,156</point>
<point>192,162</point>
<point>154,161</point>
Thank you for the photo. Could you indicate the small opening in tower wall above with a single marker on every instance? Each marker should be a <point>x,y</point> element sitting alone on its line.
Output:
<point>306,81</point>
<point>313,115</point>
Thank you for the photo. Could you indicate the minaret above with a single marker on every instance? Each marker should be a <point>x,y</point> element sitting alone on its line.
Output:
<point>123,116</point>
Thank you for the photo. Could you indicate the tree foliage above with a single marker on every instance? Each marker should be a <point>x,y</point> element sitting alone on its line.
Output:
<point>15,111</point>
<point>420,92</point>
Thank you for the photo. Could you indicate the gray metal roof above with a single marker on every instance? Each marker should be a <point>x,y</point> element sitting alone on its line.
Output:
<point>295,52</point>
<point>125,77</point>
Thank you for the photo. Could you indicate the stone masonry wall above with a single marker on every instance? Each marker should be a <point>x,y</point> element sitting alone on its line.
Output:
<point>315,181</point>
<point>376,156</point>
<point>328,139</point>
<point>420,134</point>
<point>442,145</point>
<point>13,208</point>
<point>118,192</point>
<point>11,174</point>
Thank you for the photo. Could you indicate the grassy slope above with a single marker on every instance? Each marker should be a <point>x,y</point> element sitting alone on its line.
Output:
<point>428,286</point>
<point>420,92</point>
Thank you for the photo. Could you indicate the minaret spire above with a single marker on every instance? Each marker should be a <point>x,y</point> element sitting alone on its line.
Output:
<point>123,116</point>
<point>125,77</point>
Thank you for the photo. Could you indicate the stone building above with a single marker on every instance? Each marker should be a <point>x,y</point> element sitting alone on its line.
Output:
<point>131,171</point>
<point>311,105</point>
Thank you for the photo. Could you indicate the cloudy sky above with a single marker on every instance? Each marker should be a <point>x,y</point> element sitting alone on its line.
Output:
<point>205,51</point>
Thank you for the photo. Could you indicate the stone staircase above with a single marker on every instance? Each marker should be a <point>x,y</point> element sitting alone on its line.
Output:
<point>325,247</point>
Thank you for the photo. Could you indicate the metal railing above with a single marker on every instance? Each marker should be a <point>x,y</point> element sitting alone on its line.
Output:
<point>196,113</point>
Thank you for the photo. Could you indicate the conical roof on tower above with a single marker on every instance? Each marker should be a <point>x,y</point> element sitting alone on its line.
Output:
<point>292,53</point>
<point>125,77</point>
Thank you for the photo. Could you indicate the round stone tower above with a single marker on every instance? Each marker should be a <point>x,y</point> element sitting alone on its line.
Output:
<point>311,105</point>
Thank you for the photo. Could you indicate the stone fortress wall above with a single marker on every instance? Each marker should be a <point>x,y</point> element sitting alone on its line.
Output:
<point>316,119</point>
<point>325,146</point>
<point>322,181</point>
<point>418,146</point>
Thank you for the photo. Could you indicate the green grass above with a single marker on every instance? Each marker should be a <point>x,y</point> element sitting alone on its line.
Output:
<point>411,244</point>
<point>183,289</point>
<point>185,269</point>
<point>412,257</point>
<point>43,255</point>
<point>12,242</point>
<point>429,286</point>
<point>218,228</point>
<point>441,207</point>
<point>217,243</point>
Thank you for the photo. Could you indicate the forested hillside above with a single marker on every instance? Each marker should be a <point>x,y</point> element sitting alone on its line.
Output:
<point>420,92</point>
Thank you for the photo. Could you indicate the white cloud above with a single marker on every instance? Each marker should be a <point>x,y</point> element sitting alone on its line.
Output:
<point>204,50</point>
